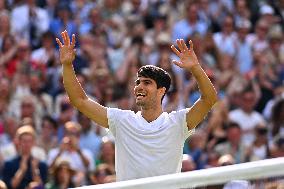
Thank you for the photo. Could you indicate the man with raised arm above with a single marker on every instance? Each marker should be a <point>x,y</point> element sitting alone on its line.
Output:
<point>149,142</point>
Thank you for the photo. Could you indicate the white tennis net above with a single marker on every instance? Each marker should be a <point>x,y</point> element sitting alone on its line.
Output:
<point>257,170</point>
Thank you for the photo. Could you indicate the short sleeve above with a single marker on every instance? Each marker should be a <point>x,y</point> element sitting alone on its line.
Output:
<point>180,116</point>
<point>114,115</point>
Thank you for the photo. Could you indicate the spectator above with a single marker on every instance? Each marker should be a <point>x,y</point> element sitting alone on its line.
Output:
<point>226,38</point>
<point>277,149</point>
<point>102,174</point>
<point>246,116</point>
<point>62,19</point>
<point>61,176</point>
<point>48,134</point>
<point>81,160</point>
<point>234,145</point>
<point>190,24</point>
<point>29,22</point>
<point>21,170</point>
<point>88,138</point>
<point>260,148</point>
<point>277,118</point>
<point>107,154</point>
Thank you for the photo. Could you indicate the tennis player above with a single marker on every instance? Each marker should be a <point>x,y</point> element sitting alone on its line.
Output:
<point>149,142</point>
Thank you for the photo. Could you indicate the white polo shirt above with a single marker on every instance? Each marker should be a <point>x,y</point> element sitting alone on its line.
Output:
<point>147,149</point>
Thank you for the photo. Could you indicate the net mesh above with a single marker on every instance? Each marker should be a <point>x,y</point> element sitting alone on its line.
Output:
<point>266,174</point>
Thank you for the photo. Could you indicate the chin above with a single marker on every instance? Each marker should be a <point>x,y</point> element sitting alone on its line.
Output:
<point>139,103</point>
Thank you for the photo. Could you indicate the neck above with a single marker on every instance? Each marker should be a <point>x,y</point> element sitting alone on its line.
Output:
<point>151,114</point>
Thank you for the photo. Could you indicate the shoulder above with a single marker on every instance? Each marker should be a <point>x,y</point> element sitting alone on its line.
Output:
<point>119,112</point>
<point>181,112</point>
<point>12,162</point>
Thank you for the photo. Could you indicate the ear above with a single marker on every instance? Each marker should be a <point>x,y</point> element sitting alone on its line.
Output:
<point>162,91</point>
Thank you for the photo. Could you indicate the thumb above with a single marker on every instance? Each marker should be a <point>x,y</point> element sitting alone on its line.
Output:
<point>179,64</point>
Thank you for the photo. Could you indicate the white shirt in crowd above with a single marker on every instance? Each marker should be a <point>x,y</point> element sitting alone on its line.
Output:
<point>146,149</point>
<point>73,158</point>
<point>247,122</point>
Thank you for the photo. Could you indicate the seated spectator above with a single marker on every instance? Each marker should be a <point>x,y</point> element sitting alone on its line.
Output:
<point>81,160</point>
<point>107,153</point>
<point>24,168</point>
<point>29,21</point>
<point>233,145</point>
<point>61,176</point>
<point>48,136</point>
<point>277,150</point>
<point>101,174</point>
<point>245,115</point>
<point>88,137</point>
<point>259,149</point>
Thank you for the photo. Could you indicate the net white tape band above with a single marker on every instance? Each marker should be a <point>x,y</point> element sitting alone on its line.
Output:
<point>219,175</point>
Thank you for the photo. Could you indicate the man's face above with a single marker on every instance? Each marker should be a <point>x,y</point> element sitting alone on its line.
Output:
<point>26,142</point>
<point>146,92</point>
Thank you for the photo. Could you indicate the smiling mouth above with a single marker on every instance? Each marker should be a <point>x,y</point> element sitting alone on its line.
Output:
<point>140,95</point>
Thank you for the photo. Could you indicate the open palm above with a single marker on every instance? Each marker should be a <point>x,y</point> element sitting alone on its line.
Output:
<point>67,51</point>
<point>187,56</point>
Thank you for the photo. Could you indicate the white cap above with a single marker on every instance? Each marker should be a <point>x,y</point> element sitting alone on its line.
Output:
<point>243,23</point>
<point>266,9</point>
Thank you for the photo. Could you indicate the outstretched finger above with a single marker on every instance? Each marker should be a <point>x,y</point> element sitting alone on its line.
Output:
<point>64,38</point>
<point>179,64</point>
<point>59,43</point>
<point>184,45</point>
<point>67,37</point>
<point>174,49</point>
<point>190,45</point>
<point>73,40</point>
<point>179,45</point>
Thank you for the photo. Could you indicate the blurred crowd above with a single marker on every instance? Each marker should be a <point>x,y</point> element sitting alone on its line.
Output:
<point>239,43</point>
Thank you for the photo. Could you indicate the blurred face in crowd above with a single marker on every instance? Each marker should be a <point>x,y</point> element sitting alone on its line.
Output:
<point>4,87</point>
<point>4,23</point>
<point>192,12</point>
<point>35,83</point>
<point>108,149</point>
<point>48,128</point>
<point>26,142</point>
<point>234,135</point>
<point>248,101</point>
<point>63,174</point>
<point>228,25</point>
<point>261,29</point>
<point>8,42</point>
<point>27,108</point>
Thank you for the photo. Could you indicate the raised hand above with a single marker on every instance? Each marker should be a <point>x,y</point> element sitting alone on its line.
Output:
<point>67,51</point>
<point>187,56</point>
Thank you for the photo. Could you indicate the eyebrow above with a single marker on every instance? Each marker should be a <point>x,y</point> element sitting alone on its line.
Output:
<point>143,80</point>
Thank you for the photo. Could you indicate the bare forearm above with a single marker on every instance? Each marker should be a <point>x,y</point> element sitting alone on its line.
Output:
<point>72,85</point>
<point>206,88</point>
<point>17,179</point>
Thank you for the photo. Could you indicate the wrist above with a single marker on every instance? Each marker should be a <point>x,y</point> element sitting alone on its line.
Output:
<point>194,67</point>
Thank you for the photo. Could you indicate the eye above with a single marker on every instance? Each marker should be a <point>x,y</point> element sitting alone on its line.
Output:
<point>137,82</point>
<point>147,82</point>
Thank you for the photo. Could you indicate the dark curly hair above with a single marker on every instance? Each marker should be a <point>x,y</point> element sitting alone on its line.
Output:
<point>160,76</point>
